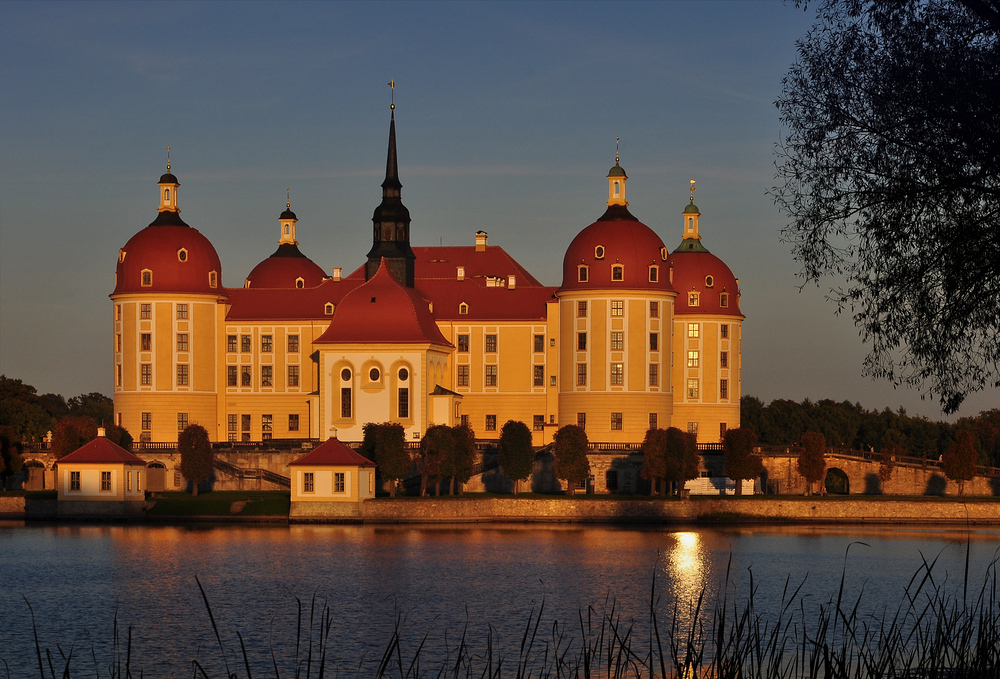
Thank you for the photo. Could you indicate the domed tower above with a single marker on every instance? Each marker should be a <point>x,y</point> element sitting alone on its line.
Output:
<point>615,314</point>
<point>167,316</point>
<point>287,267</point>
<point>707,336</point>
<point>391,223</point>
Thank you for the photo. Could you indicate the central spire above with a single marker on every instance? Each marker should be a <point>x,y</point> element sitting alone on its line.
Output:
<point>391,220</point>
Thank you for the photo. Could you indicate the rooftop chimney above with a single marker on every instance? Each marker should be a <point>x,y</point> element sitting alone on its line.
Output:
<point>461,273</point>
<point>480,241</point>
<point>336,273</point>
<point>510,281</point>
<point>101,431</point>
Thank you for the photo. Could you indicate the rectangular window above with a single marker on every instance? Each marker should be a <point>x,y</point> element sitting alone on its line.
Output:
<point>694,299</point>
<point>266,426</point>
<point>693,428</point>
<point>724,359</point>
<point>724,300</point>
<point>345,403</point>
<point>617,374</point>
<point>404,403</point>
<point>293,422</point>
<point>652,421</point>
<point>581,374</point>
<point>491,376</point>
<point>654,375</point>
<point>692,359</point>
<point>266,376</point>
<point>617,307</point>
<point>145,311</point>
<point>463,375</point>
<point>539,343</point>
<point>308,485</point>
<point>145,342</point>
<point>463,342</point>
<point>538,422</point>
<point>491,343</point>
<point>617,273</point>
<point>616,421</point>
<point>581,341</point>
<point>147,421</point>
<point>293,343</point>
<point>293,375</point>
<point>105,481</point>
<point>146,374</point>
<point>654,341</point>
<point>74,480</point>
<point>581,420</point>
<point>654,309</point>
<point>182,421</point>
<point>128,481</point>
<point>230,343</point>
<point>182,311</point>
<point>491,423</point>
<point>692,388</point>
<point>266,343</point>
<point>617,340</point>
<point>581,309</point>
<point>244,423</point>
<point>339,485</point>
<point>693,330</point>
<point>182,341</point>
<point>724,331</point>
<point>539,375</point>
<point>245,378</point>
<point>118,376</point>
<point>233,437</point>
<point>118,312</point>
<point>118,342</point>
<point>722,430</point>
<point>465,420</point>
<point>233,422</point>
<point>723,388</point>
<point>244,343</point>
<point>182,375</point>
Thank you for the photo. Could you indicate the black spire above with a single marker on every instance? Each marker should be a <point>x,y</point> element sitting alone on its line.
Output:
<point>391,223</point>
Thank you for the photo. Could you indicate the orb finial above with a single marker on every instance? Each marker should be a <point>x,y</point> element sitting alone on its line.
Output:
<point>168,159</point>
<point>288,197</point>
<point>392,94</point>
<point>617,139</point>
<point>692,190</point>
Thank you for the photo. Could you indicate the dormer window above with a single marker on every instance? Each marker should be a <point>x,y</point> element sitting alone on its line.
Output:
<point>182,255</point>
<point>724,299</point>
<point>147,278</point>
<point>599,252</point>
<point>582,273</point>
<point>709,281</point>
<point>463,308</point>
<point>617,272</point>
<point>213,279</point>
<point>654,274</point>
<point>300,282</point>
<point>663,254</point>
<point>121,256</point>
<point>328,309</point>
<point>694,299</point>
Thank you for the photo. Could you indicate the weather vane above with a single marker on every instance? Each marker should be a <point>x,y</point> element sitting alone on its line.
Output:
<point>392,94</point>
<point>168,159</point>
<point>288,197</point>
<point>692,191</point>
<point>616,150</point>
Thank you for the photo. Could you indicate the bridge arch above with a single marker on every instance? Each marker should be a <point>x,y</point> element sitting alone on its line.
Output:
<point>837,482</point>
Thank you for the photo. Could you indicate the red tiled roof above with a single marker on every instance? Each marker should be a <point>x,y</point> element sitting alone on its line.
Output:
<point>281,270</point>
<point>101,451</point>
<point>691,270</point>
<point>383,311</point>
<point>333,452</point>
<point>157,248</point>
<point>442,262</point>
<point>248,304</point>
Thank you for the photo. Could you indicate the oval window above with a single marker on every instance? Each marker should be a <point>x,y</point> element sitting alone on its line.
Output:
<point>345,374</point>
<point>374,375</point>
<point>404,374</point>
<point>709,281</point>
<point>599,252</point>
<point>182,255</point>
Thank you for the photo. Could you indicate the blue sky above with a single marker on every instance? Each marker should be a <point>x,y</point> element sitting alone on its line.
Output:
<point>506,115</point>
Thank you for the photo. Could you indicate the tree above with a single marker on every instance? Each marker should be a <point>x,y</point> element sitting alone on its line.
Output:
<point>95,405</point>
<point>385,444</point>
<point>435,448</point>
<point>517,457</point>
<point>669,455</point>
<point>10,456</point>
<point>654,458</point>
<point>570,448</point>
<point>889,174</point>
<point>71,433</point>
<point>195,449</point>
<point>959,460</point>
<point>811,462</point>
<point>741,462</point>
<point>29,415</point>
<point>458,465</point>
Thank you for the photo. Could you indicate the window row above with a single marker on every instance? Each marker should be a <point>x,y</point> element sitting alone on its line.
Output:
<point>617,273</point>
<point>242,376</point>
<point>245,343</point>
<point>347,403</point>
<point>146,275</point>
<point>238,426</point>
<point>617,308</point>
<point>694,330</point>
<point>309,482</point>
<point>146,311</point>
<point>693,390</point>
<point>491,376</point>
<point>694,298</point>
<point>106,487</point>
<point>490,342</point>
<point>617,374</point>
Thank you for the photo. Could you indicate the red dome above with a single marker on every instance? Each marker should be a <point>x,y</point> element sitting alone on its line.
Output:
<point>698,270</point>
<point>284,268</point>
<point>177,257</point>
<point>383,311</point>
<point>626,241</point>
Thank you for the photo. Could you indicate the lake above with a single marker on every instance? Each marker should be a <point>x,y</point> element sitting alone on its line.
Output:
<point>436,580</point>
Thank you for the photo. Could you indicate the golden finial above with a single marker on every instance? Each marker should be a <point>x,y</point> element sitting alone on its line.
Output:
<point>168,159</point>
<point>288,198</point>
<point>616,150</point>
<point>392,94</point>
<point>692,191</point>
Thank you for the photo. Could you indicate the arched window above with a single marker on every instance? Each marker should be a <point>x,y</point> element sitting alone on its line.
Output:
<point>213,279</point>
<point>166,194</point>
<point>287,229</point>
<point>463,308</point>
<point>654,274</point>
<point>147,278</point>
<point>583,273</point>
<point>328,309</point>
<point>617,272</point>
<point>618,188</point>
<point>690,223</point>
<point>300,283</point>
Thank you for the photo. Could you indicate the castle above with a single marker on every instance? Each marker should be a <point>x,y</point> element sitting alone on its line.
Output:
<point>636,336</point>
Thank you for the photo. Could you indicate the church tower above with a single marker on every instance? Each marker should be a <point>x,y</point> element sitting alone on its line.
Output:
<point>391,223</point>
